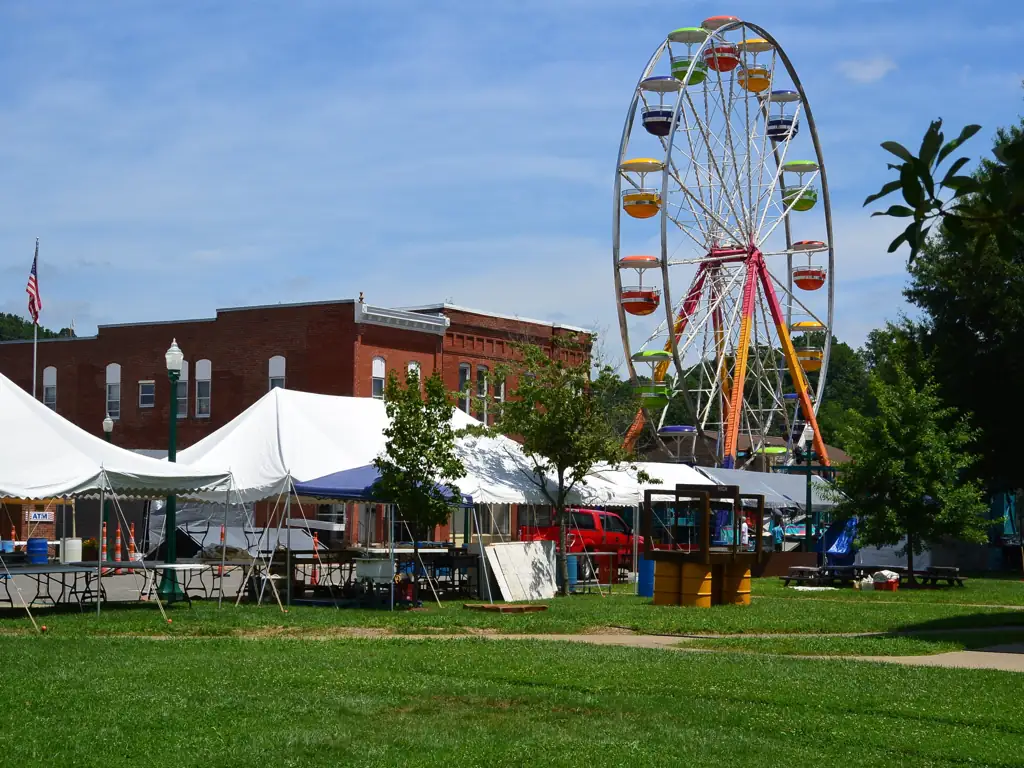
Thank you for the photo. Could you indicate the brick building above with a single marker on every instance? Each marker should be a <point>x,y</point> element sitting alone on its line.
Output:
<point>337,347</point>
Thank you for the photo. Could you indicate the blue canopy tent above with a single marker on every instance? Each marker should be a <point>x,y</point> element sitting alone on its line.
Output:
<point>354,485</point>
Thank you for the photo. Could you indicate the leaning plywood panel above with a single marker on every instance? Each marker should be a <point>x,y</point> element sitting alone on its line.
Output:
<point>524,570</point>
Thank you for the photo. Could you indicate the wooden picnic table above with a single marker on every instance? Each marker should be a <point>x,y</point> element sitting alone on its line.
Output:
<point>802,574</point>
<point>933,574</point>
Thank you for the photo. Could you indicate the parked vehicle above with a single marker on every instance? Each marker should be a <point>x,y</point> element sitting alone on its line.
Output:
<point>591,530</point>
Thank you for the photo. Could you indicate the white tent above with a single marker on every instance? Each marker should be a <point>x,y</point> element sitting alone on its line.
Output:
<point>43,455</point>
<point>289,436</point>
<point>620,487</point>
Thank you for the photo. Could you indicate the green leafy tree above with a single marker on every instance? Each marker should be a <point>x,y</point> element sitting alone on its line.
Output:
<point>845,392</point>
<point>562,421</point>
<point>910,461</point>
<point>15,328</point>
<point>967,279</point>
<point>419,466</point>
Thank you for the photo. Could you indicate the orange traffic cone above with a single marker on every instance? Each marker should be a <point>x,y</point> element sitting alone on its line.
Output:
<point>220,568</point>
<point>131,541</point>
<point>314,575</point>
<point>117,550</point>
<point>14,536</point>
<point>103,547</point>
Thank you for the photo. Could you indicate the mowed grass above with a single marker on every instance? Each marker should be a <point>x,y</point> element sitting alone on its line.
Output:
<point>868,645</point>
<point>234,702</point>
<point>774,611</point>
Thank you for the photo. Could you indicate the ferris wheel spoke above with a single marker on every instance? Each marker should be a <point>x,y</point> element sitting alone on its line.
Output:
<point>777,175</point>
<point>789,208</point>
<point>713,163</point>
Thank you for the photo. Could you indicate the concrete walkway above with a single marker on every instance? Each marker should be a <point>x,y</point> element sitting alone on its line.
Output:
<point>1007,658</point>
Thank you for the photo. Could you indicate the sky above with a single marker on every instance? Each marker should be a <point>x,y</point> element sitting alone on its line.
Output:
<point>174,158</point>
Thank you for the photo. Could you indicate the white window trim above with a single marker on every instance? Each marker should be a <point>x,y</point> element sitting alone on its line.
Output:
<point>141,383</point>
<point>374,378</point>
<point>277,372</point>
<point>201,378</point>
<point>208,398</point>
<point>465,387</point>
<point>486,379</point>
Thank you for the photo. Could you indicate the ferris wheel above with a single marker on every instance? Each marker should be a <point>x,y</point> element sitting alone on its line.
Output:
<point>722,248</point>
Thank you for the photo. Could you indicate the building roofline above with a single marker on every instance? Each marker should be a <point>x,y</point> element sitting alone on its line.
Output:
<point>457,308</point>
<point>220,310</point>
<point>287,305</point>
<point>47,341</point>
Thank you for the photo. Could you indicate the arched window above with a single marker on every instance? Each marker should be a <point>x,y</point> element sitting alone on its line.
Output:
<point>275,372</point>
<point>377,380</point>
<point>50,387</point>
<point>481,392</point>
<point>182,391</point>
<point>114,391</point>
<point>465,372</point>
<point>204,371</point>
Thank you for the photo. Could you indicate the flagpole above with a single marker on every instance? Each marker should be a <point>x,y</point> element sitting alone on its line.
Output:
<point>35,326</point>
<point>35,351</point>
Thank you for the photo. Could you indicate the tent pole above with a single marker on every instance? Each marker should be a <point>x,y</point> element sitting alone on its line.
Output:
<point>483,559</point>
<point>636,552</point>
<point>391,547</point>
<point>288,544</point>
<point>99,542</point>
<point>224,547</point>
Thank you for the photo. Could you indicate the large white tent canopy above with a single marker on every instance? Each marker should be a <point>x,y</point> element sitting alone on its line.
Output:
<point>289,436</point>
<point>43,455</point>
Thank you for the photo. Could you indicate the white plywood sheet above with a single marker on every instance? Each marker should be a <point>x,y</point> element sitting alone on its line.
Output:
<point>523,570</point>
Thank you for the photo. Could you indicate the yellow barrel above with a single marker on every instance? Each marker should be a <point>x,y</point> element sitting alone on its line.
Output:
<point>695,585</point>
<point>736,585</point>
<point>666,582</point>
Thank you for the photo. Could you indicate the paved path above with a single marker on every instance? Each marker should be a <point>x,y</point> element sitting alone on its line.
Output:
<point>1007,658</point>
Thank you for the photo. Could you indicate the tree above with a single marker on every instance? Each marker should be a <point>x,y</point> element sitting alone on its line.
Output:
<point>15,328</point>
<point>419,464</point>
<point>967,278</point>
<point>557,414</point>
<point>845,391</point>
<point>909,465</point>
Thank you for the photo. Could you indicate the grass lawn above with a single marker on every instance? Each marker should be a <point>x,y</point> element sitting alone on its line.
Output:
<point>774,610</point>
<point>233,702</point>
<point>870,645</point>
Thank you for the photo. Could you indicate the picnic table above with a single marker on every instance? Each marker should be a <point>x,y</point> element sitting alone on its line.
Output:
<point>802,574</point>
<point>933,574</point>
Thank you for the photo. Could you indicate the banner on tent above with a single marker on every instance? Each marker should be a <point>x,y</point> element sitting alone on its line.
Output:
<point>40,516</point>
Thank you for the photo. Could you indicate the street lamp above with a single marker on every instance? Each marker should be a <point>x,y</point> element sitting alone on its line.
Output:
<point>169,590</point>
<point>108,427</point>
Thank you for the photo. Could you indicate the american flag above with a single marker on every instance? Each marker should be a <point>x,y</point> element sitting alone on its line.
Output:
<point>35,302</point>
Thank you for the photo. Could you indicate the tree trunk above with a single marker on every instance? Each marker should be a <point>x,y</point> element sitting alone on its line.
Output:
<point>911,581</point>
<point>562,562</point>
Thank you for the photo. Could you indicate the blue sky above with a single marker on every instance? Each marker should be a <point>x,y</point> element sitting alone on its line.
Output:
<point>179,157</point>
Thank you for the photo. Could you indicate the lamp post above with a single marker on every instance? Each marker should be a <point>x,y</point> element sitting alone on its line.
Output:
<point>108,428</point>
<point>169,590</point>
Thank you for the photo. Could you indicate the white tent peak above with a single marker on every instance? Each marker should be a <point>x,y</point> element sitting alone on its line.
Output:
<point>43,455</point>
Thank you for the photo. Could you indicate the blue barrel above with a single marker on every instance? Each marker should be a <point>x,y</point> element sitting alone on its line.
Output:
<point>38,552</point>
<point>6,546</point>
<point>645,577</point>
<point>572,562</point>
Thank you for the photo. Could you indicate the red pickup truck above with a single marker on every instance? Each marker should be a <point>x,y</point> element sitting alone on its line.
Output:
<point>593,530</point>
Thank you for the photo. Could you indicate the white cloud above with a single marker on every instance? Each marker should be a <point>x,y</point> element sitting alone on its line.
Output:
<point>869,70</point>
